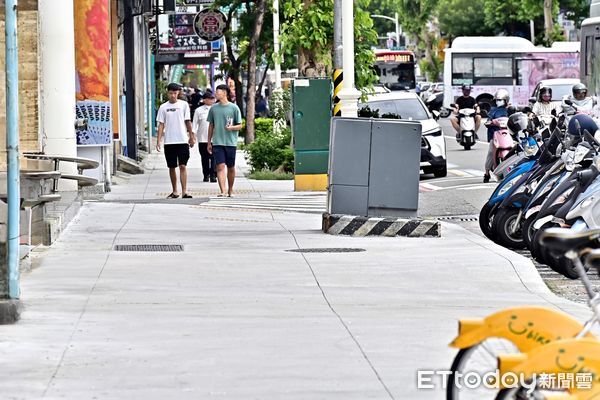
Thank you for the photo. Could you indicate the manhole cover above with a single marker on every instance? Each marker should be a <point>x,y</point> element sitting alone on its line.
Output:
<point>148,247</point>
<point>327,250</point>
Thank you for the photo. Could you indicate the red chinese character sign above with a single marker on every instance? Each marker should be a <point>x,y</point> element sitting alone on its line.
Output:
<point>210,24</point>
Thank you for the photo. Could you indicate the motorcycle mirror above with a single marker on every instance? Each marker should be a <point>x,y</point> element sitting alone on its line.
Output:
<point>568,102</point>
<point>553,112</point>
<point>452,104</point>
<point>526,109</point>
<point>590,138</point>
<point>484,113</point>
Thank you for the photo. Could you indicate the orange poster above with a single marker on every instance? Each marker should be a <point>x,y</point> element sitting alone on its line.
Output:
<point>92,64</point>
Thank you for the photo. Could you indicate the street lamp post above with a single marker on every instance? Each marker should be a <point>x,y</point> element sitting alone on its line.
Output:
<point>395,20</point>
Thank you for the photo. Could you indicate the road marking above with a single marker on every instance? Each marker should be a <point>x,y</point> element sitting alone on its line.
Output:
<point>474,172</point>
<point>458,172</point>
<point>473,187</point>
<point>428,187</point>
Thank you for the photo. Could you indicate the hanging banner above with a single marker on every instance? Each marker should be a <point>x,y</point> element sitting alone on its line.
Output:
<point>179,36</point>
<point>92,64</point>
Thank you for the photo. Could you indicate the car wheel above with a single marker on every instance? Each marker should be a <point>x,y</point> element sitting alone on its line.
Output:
<point>441,172</point>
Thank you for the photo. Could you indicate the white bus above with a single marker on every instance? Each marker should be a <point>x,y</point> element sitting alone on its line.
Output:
<point>590,49</point>
<point>511,63</point>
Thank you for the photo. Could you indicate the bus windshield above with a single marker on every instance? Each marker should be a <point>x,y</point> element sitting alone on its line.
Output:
<point>395,69</point>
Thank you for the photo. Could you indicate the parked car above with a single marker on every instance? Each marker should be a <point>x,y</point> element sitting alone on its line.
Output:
<point>422,87</point>
<point>408,105</point>
<point>434,88</point>
<point>560,88</point>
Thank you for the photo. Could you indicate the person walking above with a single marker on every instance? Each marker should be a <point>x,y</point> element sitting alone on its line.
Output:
<point>200,129</point>
<point>173,122</point>
<point>225,120</point>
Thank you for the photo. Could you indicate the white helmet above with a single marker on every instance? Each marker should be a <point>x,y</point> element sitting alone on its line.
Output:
<point>502,94</point>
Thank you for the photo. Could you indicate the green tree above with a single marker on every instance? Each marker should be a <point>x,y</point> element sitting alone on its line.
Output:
<point>414,17</point>
<point>307,35</point>
<point>462,18</point>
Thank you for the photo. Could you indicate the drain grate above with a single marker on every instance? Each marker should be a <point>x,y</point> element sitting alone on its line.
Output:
<point>149,247</point>
<point>327,250</point>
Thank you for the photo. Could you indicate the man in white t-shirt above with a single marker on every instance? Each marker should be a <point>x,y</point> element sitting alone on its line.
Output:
<point>200,129</point>
<point>174,123</point>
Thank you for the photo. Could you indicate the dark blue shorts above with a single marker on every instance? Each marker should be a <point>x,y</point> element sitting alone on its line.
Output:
<point>224,155</point>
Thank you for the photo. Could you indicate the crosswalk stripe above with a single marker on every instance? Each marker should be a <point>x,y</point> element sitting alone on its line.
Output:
<point>458,172</point>
<point>474,172</point>
<point>309,204</point>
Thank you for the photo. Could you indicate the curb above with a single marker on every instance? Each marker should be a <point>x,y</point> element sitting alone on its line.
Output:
<point>336,224</point>
<point>10,311</point>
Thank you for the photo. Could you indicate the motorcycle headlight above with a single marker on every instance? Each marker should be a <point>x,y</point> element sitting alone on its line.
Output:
<point>530,150</point>
<point>508,185</point>
<point>563,197</point>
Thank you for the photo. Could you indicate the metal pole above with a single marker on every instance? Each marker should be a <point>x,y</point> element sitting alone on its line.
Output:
<point>397,30</point>
<point>348,95</point>
<point>337,35</point>
<point>276,43</point>
<point>338,61</point>
<point>532,31</point>
<point>12,147</point>
<point>129,47</point>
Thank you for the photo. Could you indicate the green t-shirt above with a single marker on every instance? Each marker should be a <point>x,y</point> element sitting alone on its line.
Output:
<point>219,115</point>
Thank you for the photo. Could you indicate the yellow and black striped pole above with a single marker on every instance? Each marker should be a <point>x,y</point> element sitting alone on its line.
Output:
<point>338,78</point>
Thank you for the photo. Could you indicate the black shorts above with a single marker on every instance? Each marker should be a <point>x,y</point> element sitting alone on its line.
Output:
<point>224,155</point>
<point>177,154</point>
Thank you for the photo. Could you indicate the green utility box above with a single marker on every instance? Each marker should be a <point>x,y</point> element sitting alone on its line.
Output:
<point>311,105</point>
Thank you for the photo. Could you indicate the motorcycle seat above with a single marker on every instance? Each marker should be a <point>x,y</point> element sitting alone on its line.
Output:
<point>562,239</point>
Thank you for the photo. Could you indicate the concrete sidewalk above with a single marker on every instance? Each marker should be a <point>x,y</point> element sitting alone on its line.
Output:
<point>238,316</point>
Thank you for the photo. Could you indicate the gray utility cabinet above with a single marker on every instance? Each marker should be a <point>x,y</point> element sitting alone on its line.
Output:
<point>374,167</point>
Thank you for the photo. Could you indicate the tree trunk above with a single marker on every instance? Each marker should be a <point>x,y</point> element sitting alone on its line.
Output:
<point>548,22</point>
<point>261,7</point>
<point>234,71</point>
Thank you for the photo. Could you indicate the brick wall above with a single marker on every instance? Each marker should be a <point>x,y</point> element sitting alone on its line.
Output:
<point>27,36</point>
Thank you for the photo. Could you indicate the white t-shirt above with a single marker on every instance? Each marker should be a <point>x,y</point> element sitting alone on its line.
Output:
<point>174,115</point>
<point>200,124</point>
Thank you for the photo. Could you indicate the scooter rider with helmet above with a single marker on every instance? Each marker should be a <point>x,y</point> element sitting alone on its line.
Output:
<point>462,102</point>
<point>544,105</point>
<point>580,99</point>
<point>501,102</point>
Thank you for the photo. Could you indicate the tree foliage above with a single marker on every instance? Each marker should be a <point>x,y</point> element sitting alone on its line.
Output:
<point>307,34</point>
<point>462,18</point>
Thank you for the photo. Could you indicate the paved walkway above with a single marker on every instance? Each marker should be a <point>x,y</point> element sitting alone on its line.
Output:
<point>236,315</point>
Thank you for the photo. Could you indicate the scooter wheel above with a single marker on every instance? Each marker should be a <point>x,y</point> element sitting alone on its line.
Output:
<point>467,146</point>
<point>486,217</point>
<point>503,225</point>
<point>528,231</point>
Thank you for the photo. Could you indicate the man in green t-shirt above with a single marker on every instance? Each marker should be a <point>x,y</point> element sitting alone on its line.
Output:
<point>225,120</point>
